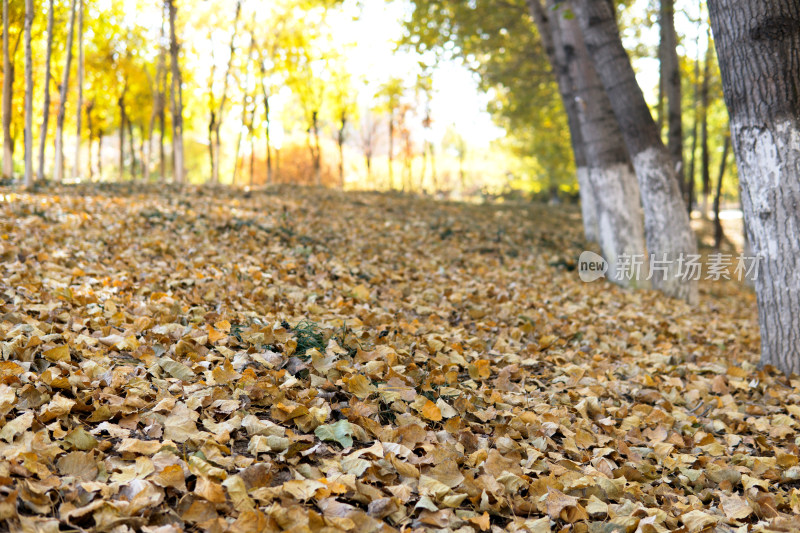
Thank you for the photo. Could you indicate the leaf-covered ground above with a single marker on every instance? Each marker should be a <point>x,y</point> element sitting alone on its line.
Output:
<point>307,360</point>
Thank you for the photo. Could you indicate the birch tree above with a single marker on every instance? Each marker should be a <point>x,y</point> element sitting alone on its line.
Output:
<point>176,96</point>
<point>76,171</point>
<point>8,82</point>
<point>47,78</point>
<point>58,172</point>
<point>758,46</point>
<point>28,95</point>
<point>667,231</point>
<point>620,230</point>
<point>546,28</point>
<point>671,77</point>
<point>217,112</point>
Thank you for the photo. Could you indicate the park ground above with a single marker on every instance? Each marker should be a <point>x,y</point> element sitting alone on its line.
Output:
<point>304,359</point>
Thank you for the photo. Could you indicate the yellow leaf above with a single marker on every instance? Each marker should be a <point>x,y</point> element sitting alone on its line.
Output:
<point>214,335</point>
<point>360,293</point>
<point>360,386</point>
<point>481,521</point>
<point>59,353</point>
<point>431,411</point>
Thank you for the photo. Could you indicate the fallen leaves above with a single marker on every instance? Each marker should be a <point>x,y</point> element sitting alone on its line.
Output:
<point>306,359</point>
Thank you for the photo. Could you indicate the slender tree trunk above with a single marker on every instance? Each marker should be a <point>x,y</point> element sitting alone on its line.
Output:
<point>611,176</point>
<point>718,235</point>
<point>705,156</point>
<point>340,142</point>
<point>162,103</point>
<point>122,121</point>
<point>250,138</point>
<point>100,134</point>
<point>47,77</point>
<point>238,151</point>
<point>76,172</point>
<point>28,136</point>
<point>58,172</point>
<point>90,127</point>
<point>265,95</point>
<point>147,140</point>
<point>545,28</point>
<point>217,116</point>
<point>317,156</point>
<point>689,188</point>
<point>177,97</point>
<point>132,149</point>
<point>672,88</point>
<point>758,45</point>
<point>8,83</point>
<point>662,77</point>
<point>668,233</point>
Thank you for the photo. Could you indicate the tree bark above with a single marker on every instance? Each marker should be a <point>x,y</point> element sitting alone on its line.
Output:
<point>718,234</point>
<point>122,120</point>
<point>672,87</point>
<point>28,136</point>
<point>758,46</point>
<point>177,97</point>
<point>340,142</point>
<point>90,128</point>
<point>705,160</point>
<point>690,185</point>
<point>315,148</point>
<point>58,171</point>
<point>8,82</point>
<point>610,174</point>
<point>47,77</point>
<point>132,149</point>
<point>588,200</point>
<point>162,103</point>
<point>265,95</point>
<point>667,230</point>
<point>76,172</point>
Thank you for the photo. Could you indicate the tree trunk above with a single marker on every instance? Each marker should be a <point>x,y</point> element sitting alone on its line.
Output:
<point>76,171</point>
<point>610,174</point>
<point>8,82</point>
<point>216,117</point>
<point>705,161</point>
<point>317,157</point>
<point>718,234</point>
<point>90,127</point>
<point>177,97</point>
<point>266,120</point>
<point>100,155</point>
<point>28,138</point>
<point>758,45</point>
<point>340,142</point>
<point>560,70</point>
<point>672,87</point>
<point>122,120</point>
<point>47,76</point>
<point>132,149</point>
<point>689,187</point>
<point>147,140</point>
<point>668,233</point>
<point>58,171</point>
<point>162,101</point>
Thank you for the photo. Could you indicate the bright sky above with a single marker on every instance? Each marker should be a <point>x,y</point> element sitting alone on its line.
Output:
<point>373,28</point>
